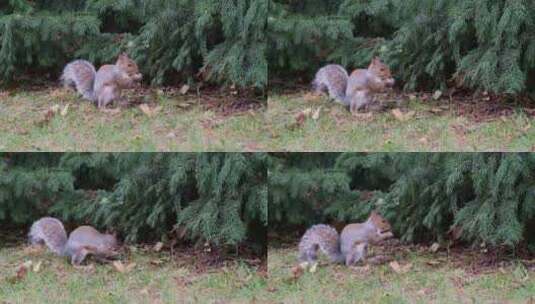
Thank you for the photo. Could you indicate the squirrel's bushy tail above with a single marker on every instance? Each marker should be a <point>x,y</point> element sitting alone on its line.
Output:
<point>332,79</point>
<point>50,231</point>
<point>80,74</point>
<point>322,237</point>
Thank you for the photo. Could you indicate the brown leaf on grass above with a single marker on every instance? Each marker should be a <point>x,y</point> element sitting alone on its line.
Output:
<point>363,116</point>
<point>33,250</point>
<point>184,89</point>
<point>434,247</point>
<point>144,291</point>
<point>119,266</point>
<point>183,281</point>
<point>64,111</point>
<point>311,96</point>
<point>157,262</point>
<point>361,269</point>
<point>436,110</point>
<point>184,105</point>
<point>424,291</point>
<point>272,289</point>
<point>23,269</point>
<point>398,268</point>
<point>158,247</point>
<point>433,262</point>
<point>437,95</point>
<point>423,140</point>
<point>150,112</point>
<point>87,269</point>
<point>297,271</point>
<point>316,114</point>
<point>37,266</point>
<point>111,111</point>
<point>402,116</point>
<point>48,116</point>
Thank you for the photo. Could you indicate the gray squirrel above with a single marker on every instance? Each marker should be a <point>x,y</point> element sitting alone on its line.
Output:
<point>83,241</point>
<point>355,90</point>
<point>103,86</point>
<point>349,247</point>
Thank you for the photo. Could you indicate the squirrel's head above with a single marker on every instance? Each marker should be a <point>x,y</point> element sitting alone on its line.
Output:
<point>110,244</point>
<point>381,70</point>
<point>126,64</point>
<point>379,222</point>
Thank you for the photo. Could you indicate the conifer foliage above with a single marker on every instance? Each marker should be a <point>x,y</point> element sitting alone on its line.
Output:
<point>487,197</point>
<point>221,41</point>
<point>216,198</point>
<point>480,44</point>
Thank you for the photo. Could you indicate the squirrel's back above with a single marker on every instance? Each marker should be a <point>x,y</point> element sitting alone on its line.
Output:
<point>91,239</point>
<point>50,231</point>
<point>331,78</point>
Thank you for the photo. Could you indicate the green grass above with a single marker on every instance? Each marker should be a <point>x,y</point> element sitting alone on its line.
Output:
<point>422,283</point>
<point>337,130</point>
<point>168,282</point>
<point>85,128</point>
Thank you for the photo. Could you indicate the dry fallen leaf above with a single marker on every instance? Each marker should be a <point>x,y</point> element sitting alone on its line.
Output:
<point>313,268</point>
<point>111,111</point>
<point>433,263</point>
<point>144,291</point>
<point>297,272</point>
<point>361,269</point>
<point>158,247</point>
<point>434,247</point>
<point>402,116</point>
<point>398,268</point>
<point>184,89</point>
<point>362,116</point>
<point>37,266</point>
<point>437,95</point>
<point>311,96</point>
<point>150,112</point>
<point>316,114</point>
<point>120,267</point>
<point>300,119</point>
<point>64,110</point>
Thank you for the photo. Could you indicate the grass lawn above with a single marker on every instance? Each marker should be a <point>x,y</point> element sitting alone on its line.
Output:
<point>432,127</point>
<point>180,124</point>
<point>156,278</point>
<point>430,279</point>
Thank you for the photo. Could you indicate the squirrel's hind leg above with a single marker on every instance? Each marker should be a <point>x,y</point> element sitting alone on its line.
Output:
<point>106,96</point>
<point>79,256</point>
<point>357,253</point>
